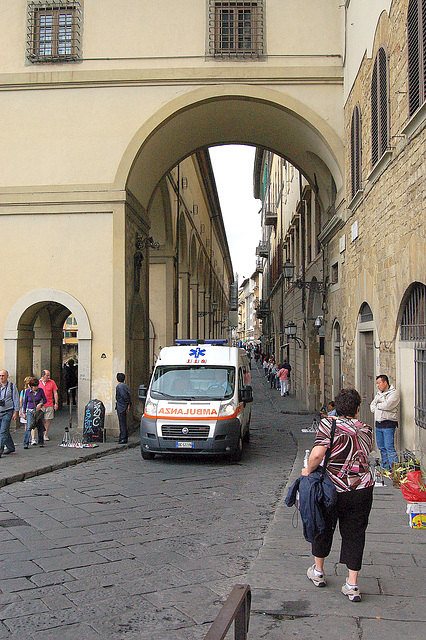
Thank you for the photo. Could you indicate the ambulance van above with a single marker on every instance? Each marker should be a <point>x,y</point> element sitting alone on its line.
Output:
<point>198,401</point>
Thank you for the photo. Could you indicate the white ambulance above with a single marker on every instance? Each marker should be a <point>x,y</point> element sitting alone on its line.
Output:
<point>198,401</point>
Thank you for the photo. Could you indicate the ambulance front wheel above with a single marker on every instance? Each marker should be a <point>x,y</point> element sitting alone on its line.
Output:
<point>147,455</point>
<point>237,454</point>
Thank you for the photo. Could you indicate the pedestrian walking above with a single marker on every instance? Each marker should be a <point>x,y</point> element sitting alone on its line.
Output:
<point>348,468</point>
<point>283,375</point>
<point>385,408</point>
<point>51,405</point>
<point>123,401</point>
<point>9,408</point>
<point>34,401</point>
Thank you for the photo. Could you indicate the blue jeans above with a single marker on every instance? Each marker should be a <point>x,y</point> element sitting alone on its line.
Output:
<point>28,428</point>
<point>385,432</point>
<point>5,437</point>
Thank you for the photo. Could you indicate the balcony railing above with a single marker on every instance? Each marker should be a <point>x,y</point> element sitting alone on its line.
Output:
<point>262,249</point>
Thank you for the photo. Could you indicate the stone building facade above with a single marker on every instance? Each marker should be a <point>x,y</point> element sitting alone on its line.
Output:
<point>380,246</point>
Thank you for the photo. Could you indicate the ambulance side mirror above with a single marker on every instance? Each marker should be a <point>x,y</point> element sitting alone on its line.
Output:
<point>246,394</point>
<point>143,391</point>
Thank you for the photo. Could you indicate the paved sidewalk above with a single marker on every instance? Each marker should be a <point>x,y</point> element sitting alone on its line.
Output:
<point>34,461</point>
<point>393,578</point>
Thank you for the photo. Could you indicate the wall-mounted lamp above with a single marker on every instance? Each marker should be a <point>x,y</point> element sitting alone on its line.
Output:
<point>290,331</point>
<point>103,355</point>
<point>319,321</point>
<point>288,273</point>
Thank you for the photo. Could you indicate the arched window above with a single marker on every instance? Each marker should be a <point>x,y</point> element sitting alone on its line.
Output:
<point>416,35</point>
<point>413,322</point>
<point>356,151</point>
<point>379,107</point>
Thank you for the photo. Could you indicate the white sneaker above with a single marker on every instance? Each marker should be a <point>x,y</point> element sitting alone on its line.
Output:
<point>353,593</point>
<point>46,438</point>
<point>33,441</point>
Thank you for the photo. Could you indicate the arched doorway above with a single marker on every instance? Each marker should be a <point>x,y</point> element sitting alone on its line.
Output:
<point>34,334</point>
<point>337,359</point>
<point>366,368</point>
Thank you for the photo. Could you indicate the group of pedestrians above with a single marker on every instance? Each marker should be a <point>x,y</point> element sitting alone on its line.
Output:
<point>277,374</point>
<point>35,406</point>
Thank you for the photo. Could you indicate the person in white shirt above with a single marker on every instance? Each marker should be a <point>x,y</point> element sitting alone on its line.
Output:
<point>385,408</point>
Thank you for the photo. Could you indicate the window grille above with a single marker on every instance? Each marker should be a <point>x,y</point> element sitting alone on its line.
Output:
<point>356,151</point>
<point>416,36</point>
<point>413,323</point>
<point>54,31</point>
<point>236,29</point>
<point>379,107</point>
<point>413,328</point>
<point>420,386</point>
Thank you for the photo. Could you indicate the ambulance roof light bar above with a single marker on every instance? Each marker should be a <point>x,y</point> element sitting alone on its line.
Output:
<point>189,342</point>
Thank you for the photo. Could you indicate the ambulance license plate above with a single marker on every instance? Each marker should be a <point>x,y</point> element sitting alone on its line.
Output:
<point>184,445</point>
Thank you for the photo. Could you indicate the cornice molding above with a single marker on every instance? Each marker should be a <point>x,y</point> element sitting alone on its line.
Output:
<point>170,76</point>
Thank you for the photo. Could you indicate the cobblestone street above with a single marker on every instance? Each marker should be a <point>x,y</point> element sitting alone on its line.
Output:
<point>119,547</point>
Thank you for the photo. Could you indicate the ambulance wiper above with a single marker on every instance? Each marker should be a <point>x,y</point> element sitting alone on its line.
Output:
<point>161,393</point>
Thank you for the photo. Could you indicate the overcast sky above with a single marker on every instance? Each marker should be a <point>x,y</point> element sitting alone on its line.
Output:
<point>233,170</point>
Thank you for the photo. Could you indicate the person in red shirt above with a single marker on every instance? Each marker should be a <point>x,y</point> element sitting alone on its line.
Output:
<point>51,392</point>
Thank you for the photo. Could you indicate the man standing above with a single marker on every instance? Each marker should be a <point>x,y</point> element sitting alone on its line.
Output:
<point>9,408</point>
<point>123,401</point>
<point>51,392</point>
<point>385,408</point>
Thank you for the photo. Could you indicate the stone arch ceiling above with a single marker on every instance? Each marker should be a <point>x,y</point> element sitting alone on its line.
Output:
<point>301,136</point>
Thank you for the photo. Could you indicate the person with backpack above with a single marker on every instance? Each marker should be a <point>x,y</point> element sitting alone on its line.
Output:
<point>9,408</point>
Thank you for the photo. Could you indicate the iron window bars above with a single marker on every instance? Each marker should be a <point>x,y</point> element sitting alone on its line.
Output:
<point>54,31</point>
<point>413,328</point>
<point>236,29</point>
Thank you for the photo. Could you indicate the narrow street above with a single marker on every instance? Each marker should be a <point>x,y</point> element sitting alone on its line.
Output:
<point>124,548</point>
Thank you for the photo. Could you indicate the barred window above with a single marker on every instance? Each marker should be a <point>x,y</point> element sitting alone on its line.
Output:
<point>356,151</point>
<point>413,323</point>
<point>379,107</point>
<point>416,35</point>
<point>236,29</point>
<point>54,31</point>
<point>413,327</point>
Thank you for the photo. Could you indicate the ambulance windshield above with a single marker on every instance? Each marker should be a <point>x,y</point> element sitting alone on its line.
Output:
<point>193,383</point>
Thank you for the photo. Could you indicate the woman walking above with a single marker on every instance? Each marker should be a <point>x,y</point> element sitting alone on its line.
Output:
<point>348,468</point>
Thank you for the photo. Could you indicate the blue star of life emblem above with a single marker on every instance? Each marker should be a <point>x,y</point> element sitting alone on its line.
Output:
<point>197,353</point>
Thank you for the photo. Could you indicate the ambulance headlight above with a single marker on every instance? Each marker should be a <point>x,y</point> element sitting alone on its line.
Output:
<point>227,409</point>
<point>150,408</point>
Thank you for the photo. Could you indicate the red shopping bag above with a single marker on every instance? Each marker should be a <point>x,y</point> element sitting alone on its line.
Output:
<point>413,488</point>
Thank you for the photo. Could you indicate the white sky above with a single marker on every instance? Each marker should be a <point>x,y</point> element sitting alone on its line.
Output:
<point>233,171</point>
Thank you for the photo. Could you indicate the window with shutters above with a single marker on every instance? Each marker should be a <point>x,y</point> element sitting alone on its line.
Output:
<point>416,35</point>
<point>236,29</point>
<point>356,151</point>
<point>54,31</point>
<point>379,107</point>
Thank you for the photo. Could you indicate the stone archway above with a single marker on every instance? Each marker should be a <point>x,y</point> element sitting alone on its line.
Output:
<point>52,306</point>
<point>235,114</point>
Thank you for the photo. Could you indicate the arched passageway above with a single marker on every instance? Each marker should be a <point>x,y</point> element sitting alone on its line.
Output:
<point>34,334</point>
<point>237,115</point>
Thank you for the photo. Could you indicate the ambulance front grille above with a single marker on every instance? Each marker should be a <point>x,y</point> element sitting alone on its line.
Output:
<point>191,432</point>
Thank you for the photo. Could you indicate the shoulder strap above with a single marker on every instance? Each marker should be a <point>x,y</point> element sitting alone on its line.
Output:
<point>328,452</point>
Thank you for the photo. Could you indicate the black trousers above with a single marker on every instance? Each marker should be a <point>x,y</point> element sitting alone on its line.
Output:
<point>122,421</point>
<point>352,512</point>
